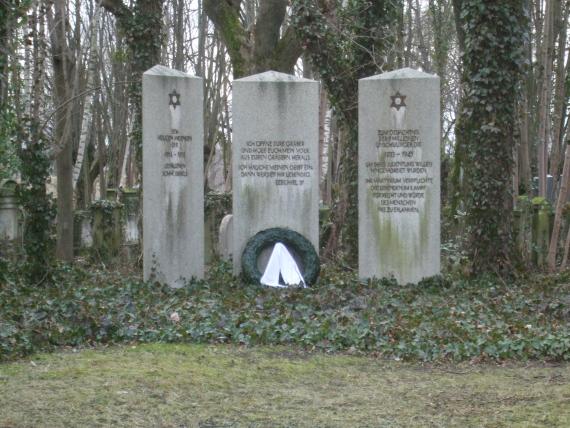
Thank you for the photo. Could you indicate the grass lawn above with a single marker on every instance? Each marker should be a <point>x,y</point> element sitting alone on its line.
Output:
<point>227,386</point>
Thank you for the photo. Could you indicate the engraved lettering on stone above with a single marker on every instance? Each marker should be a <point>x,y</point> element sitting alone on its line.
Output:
<point>174,148</point>
<point>283,162</point>
<point>398,181</point>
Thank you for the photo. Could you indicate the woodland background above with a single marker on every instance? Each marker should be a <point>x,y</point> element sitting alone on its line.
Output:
<point>70,103</point>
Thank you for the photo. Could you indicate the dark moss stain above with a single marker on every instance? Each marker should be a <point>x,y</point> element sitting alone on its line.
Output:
<point>282,98</point>
<point>169,224</point>
<point>181,225</point>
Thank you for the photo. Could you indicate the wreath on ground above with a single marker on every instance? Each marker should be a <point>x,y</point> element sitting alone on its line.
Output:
<point>292,240</point>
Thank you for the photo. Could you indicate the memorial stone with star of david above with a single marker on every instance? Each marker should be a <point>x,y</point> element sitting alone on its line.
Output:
<point>399,176</point>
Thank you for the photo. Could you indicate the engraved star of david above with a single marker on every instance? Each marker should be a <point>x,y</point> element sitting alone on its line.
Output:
<point>398,101</point>
<point>174,98</point>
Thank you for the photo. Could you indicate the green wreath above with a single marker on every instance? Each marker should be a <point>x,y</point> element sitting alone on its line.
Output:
<point>269,237</point>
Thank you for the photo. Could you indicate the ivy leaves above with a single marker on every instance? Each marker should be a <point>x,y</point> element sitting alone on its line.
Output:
<point>494,62</point>
<point>439,319</point>
<point>37,204</point>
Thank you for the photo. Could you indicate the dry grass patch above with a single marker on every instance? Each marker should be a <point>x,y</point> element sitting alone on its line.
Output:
<point>224,386</point>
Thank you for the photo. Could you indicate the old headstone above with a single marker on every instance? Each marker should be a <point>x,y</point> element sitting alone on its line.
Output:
<point>107,229</point>
<point>275,157</point>
<point>399,176</point>
<point>9,212</point>
<point>225,236</point>
<point>173,199</point>
<point>82,229</point>
<point>131,202</point>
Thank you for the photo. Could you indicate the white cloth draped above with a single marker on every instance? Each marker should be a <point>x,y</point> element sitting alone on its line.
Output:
<point>282,262</point>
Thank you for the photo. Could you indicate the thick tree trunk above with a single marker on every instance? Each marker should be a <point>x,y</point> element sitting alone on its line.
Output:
<point>63,64</point>
<point>261,48</point>
<point>500,27</point>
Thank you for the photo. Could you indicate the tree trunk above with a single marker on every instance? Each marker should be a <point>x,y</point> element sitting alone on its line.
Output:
<point>559,113</point>
<point>179,59</point>
<point>257,49</point>
<point>63,72</point>
<point>499,27</point>
<point>546,82</point>
<point>560,204</point>
<point>86,122</point>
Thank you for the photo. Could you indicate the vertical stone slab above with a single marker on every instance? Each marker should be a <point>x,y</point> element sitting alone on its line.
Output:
<point>275,157</point>
<point>399,176</point>
<point>173,183</point>
<point>9,212</point>
<point>225,237</point>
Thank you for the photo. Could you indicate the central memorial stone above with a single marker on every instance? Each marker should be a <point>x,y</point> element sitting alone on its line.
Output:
<point>173,178</point>
<point>275,157</point>
<point>399,176</point>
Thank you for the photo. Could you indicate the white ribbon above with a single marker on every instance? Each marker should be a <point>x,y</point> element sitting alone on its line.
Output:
<point>281,262</point>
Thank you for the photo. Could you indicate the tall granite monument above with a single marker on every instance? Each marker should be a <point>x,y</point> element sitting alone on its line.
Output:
<point>173,183</point>
<point>275,157</point>
<point>399,176</point>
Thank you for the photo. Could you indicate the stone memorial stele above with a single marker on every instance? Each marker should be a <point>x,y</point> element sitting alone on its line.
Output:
<point>399,176</point>
<point>275,157</point>
<point>173,183</point>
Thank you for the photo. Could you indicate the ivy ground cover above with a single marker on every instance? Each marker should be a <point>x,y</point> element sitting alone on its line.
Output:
<point>443,319</point>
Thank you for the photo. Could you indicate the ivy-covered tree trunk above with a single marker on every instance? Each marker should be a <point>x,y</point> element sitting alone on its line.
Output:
<point>12,14</point>
<point>488,122</point>
<point>35,201</point>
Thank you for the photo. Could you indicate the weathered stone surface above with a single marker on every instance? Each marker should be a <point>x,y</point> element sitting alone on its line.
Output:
<point>225,236</point>
<point>9,212</point>
<point>399,176</point>
<point>275,157</point>
<point>131,209</point>
<point>82,229</point>
<point>173,199</point>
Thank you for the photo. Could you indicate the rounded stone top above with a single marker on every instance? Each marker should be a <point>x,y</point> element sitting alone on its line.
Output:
<point>403,73</point>
<point>8,187</point>
<point>273,76</point>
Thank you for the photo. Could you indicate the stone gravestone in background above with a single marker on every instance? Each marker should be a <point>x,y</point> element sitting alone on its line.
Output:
<point>9,212</point>
<point>173,183</point>
<point>399,176</point>
<point>275,157</point>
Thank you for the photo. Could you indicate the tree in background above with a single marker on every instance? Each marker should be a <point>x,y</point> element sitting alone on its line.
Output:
<point>12,17</point>
<point>344,44</point>
<point>494,58</point>
<point>24,148</point>
<point>258,40</point>
<point>141,26</point>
